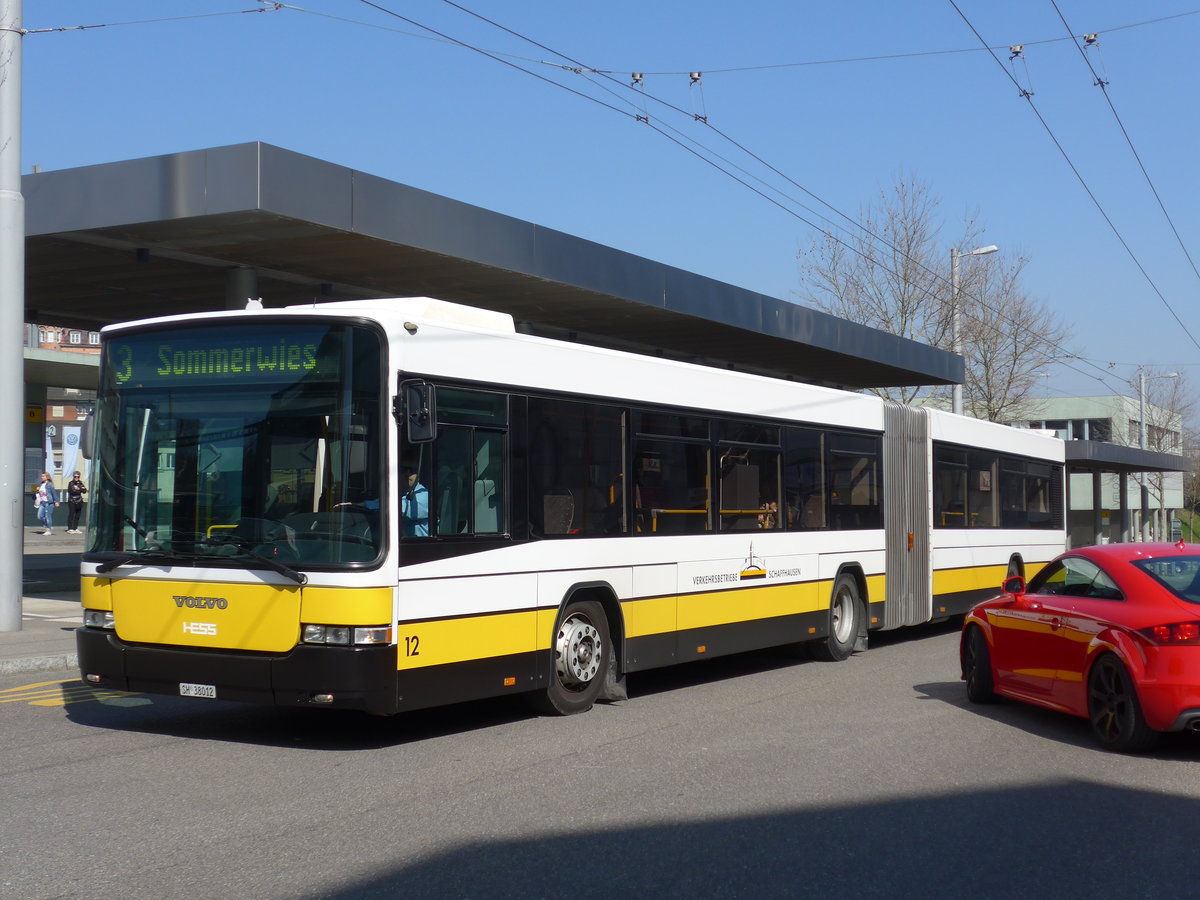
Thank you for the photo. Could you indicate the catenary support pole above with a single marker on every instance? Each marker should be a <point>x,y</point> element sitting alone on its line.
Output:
<point>12,316</point>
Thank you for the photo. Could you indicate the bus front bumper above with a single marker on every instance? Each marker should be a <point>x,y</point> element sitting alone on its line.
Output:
<point>322,676</point>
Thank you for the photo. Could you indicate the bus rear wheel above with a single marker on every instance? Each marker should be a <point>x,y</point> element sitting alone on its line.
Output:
<point>581,653</point>
<point>845,619</point>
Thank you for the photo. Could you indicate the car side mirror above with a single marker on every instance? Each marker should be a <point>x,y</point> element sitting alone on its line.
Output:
<point>1014,585</point>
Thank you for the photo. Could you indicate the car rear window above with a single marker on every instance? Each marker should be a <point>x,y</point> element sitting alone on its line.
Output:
<point>1178,574</point>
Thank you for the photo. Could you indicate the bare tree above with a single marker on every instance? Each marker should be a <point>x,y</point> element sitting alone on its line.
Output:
<point>1191,477</point>
<point>1007,342</point>
<point>892,283</point>
<point>893,274</point>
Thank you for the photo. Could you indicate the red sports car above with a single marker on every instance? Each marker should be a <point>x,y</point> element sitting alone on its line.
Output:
<point>1110,633</point>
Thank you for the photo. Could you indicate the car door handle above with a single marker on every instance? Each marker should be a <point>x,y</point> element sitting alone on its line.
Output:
<point>1055,624</point>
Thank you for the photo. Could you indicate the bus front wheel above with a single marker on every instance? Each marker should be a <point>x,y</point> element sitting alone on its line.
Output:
<point>581,651</point>
<point>845,619</point>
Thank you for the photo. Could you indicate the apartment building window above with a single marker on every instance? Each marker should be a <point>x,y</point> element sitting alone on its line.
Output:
<point>1099,430</point>
<point>1078,429</point>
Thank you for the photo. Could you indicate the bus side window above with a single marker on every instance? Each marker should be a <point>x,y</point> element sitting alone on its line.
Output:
<point>804,479</point>
<point>749,482</point>
<point>576,465</point>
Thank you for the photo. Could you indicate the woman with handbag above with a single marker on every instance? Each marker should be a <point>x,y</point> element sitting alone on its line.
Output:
<point>46,501</point>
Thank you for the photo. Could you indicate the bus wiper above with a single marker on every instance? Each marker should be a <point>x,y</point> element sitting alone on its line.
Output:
<point>156,554</point>
<point>273,564</point>
<point>150,553</point>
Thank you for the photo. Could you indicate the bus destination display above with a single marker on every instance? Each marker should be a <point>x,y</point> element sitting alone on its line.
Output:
<point>219,357</point>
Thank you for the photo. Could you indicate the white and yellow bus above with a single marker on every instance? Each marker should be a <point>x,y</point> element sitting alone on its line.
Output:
<point>393,504</point>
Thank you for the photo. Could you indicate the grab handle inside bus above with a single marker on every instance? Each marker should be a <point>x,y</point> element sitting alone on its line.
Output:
<point>420,410</point>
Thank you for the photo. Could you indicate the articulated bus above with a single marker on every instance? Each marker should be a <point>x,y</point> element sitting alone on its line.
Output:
<point>393,504</point>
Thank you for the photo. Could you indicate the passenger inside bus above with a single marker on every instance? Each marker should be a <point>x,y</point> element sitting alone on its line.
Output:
<point>414,504</point>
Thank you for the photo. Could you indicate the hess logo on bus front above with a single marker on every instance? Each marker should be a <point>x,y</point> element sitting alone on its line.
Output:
<point>206,629</point>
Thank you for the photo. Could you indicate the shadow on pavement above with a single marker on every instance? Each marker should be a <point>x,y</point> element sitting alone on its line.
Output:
<point>1052,840</point>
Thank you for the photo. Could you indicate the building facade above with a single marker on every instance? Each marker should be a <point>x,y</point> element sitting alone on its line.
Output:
<point>1152,497</point>
<point>55,414</point>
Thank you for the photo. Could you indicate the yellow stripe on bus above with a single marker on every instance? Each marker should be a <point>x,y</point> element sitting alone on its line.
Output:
<point>663,615</point>
<point>95,593</point>
<point>728,607</point>
<point>876,588</point>
<point>973,578</point>
<point>346,606</point>
<point>436,643</point>
<point>656,615</point>
<point>952,581</point>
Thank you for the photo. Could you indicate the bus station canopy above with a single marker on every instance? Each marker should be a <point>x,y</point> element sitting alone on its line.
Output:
<point>202,230</point>
<point>1100,457</point>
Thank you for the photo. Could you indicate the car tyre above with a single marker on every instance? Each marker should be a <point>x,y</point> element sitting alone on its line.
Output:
<point>1113,708</point>
<point>977,667</point>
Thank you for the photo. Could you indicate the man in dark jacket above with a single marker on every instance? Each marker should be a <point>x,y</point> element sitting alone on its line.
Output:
<point>75,492</point>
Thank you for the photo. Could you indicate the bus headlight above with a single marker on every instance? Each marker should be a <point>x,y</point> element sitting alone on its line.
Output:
<point>374,634</point>
<point>99,618</point>
<point>344,635</point>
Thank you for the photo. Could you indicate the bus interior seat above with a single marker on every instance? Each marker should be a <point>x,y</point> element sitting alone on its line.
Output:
<point>558,513</point>
<point>487,509</point>
<point>449,489</point>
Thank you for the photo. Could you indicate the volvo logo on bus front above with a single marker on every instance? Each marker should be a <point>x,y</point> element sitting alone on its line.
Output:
<point>200,602</point>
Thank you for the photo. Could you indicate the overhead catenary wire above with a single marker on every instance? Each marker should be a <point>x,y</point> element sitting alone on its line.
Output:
<point>1103,84</point>
<point>266,7</point>
<point>1083,182</point>
<point>578,67</point>
<point>885,57</point>
<point>274,6</point>
<point>643,117</point>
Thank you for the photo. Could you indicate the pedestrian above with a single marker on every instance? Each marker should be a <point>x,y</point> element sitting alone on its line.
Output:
<point>45,500</point>
<point>75,492</point>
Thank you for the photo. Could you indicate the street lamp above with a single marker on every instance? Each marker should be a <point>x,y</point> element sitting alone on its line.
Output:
<point>955,333</point>
<point>1142,444</point>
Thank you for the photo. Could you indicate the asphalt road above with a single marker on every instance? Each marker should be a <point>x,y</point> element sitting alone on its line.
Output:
<point>749,777</point>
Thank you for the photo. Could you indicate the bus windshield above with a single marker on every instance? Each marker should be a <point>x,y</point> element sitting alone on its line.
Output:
<point>264,443</point>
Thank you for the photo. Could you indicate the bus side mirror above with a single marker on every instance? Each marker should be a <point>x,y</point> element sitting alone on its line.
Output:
<point>85,436</point>
<point>419,411</point>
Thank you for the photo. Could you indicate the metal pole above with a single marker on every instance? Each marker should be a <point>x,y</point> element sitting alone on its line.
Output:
<point>241,284</point>
<point>956,404</point>
<point>1145,524</point>
<point>12,316</point>
<point>1142,410</point>
<point>1123,494</point>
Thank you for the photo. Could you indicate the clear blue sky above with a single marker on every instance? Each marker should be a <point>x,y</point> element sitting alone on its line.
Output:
<point>343,81</point>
